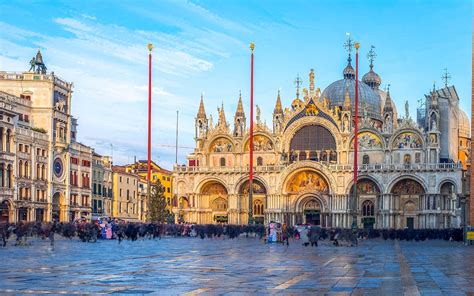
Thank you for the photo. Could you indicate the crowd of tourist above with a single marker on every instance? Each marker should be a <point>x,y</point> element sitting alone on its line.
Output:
<point>274,232</point>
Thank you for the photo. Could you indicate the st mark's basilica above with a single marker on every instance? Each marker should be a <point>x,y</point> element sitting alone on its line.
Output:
<point>410,171</point>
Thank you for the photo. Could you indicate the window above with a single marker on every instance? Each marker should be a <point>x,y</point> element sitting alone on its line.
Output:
<point>120,178</point>
<point>167,179</point>
<point>168,190</point>
<point>128,194</point>
<point>27,119</point>
<point>20,147</point>
<point>365,159</point>
<point>128,179</point>
<point>120,192</point>
<point>368,208</point>
<point>222,161</point>
<point>258,207</point>
<point>38,151</point>
<point>407,159</point>
<point>163,178</point>
<point>27,148</point>
<point>417,157</point>
<point>259,160</point>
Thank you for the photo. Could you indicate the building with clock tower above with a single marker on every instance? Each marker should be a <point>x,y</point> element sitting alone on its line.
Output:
<point>45,172</point>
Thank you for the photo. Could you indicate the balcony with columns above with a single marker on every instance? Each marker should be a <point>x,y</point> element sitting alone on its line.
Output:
<point>398,167</point>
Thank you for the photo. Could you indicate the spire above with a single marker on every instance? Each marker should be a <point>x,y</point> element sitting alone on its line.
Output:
<point>201,112</point>
<point>347,101</point>
<point>311,83</point>
<point>388,106</point>
<point>240,108</point>
<point>278,107</point>
<point>349,72</point>
<point>222,120</point>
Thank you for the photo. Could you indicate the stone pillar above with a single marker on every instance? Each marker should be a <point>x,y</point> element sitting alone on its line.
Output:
<point>4,139</point>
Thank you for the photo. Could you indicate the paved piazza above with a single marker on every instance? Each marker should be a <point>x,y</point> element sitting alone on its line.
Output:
<point>191,266</point>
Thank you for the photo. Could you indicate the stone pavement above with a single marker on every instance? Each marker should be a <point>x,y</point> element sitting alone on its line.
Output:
<point>192,266</point>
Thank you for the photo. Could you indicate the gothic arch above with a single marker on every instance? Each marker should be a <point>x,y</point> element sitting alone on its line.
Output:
<point>407,177</point>
<point>212,140</point>
<point>244,179</point>
<point>306,197</point>
<point>299,166</point>
<point>375,132</point>
<point>406,130</point>
<point>205,181</point>
<point>366,177</point>
<point>448,180</point>
<point>310,120</point>
<point>257,134</point>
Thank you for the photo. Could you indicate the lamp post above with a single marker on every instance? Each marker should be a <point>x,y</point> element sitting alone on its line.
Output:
<point>464,223</point>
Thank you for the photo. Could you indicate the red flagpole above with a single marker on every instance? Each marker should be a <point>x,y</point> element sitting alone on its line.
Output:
<point>150,47</point>
<point>252,47</point>
<point>356,131</point>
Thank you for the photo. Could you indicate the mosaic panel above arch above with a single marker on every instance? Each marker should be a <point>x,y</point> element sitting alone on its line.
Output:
<point>407,140</point>
<point>307,180</point>
<point>221,145</point>
<point>408,187</point>
<point>214,188</point>
<point>257,186</point>
<point>366,186</point>
<point>260,143</point>
<point>368,141</point>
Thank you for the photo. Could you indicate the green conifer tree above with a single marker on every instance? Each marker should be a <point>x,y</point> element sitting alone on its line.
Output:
<point>157,211</point>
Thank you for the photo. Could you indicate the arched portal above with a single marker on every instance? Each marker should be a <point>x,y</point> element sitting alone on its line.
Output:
<point>312,211</point>
<point>409,194</point>
<point>368,193</point>
<point>214,196</point>
<point>57,210</point>
<point>259,199</point>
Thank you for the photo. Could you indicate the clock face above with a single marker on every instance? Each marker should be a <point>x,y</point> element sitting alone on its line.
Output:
<point>58,167</point>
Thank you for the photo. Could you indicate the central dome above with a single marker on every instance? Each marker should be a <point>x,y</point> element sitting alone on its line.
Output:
<point>336,93</point>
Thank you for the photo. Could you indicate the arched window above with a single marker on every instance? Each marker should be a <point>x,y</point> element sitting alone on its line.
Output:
<point>9,176</point>
<point>219,204</point>
<point>43,172</point>
<point>27,170</point>
<point>365,159</point>
<point>38,171</point>
<point>2,174</point>
<point>258,207</point>
<point>407,159</point>
<point>20,168</point>
<point>222,161</point>
<point>259,160</point>
<point>368,208</point>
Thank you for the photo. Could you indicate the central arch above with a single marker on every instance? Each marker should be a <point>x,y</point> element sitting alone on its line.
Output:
<point>259,199</point>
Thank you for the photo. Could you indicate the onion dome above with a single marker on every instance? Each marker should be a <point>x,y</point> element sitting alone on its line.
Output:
<point>349,72</point>
<point>463,125</point>
<point>371,78</point>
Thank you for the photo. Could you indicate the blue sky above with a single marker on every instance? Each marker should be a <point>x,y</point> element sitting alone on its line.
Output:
<point>202,46</point>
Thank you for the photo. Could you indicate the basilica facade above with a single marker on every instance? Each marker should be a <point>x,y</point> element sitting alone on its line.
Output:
<point>410,171</point>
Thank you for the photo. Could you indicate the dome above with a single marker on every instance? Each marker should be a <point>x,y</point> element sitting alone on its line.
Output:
<point>372,79</point>
<point>336,91</point>
<point>464,125</point>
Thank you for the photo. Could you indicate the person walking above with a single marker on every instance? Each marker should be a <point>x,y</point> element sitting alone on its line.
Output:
<point>313,236</point>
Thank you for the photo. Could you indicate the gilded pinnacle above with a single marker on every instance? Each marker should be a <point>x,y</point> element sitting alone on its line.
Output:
<point>150,47</point>
<point>252,46</point>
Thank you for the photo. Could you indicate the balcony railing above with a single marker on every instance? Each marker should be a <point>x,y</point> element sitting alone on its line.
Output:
<point>7,156</point>
<point>331,167</point>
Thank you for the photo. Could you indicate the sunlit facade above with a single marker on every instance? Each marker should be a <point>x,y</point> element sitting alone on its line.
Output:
<point>410,171</point>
